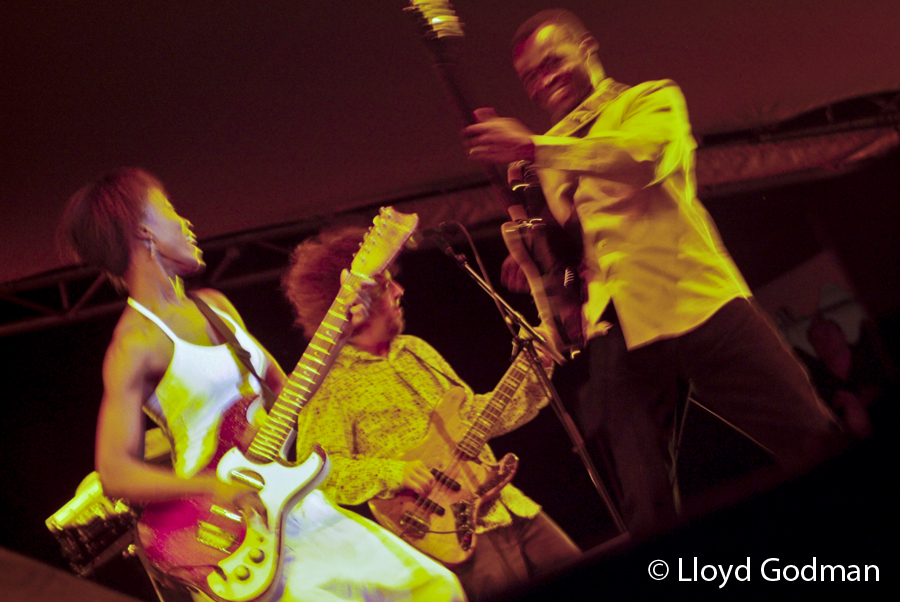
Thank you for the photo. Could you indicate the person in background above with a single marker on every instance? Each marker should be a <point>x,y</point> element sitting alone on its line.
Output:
<point>850,378</point>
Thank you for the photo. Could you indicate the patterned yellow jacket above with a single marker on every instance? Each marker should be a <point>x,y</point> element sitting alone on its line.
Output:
<point>370,410</point>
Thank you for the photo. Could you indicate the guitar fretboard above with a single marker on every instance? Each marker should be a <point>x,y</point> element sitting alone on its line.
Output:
<point>381,244</point>
<point>306,377</point>
<point>477,435</point>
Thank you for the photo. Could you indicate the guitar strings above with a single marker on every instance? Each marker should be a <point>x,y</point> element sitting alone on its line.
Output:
<point>441,493</point>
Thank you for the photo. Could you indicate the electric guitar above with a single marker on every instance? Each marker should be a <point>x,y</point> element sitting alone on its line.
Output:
<point>547,254</point>
<point>233,558</point>
<point>442,524</point>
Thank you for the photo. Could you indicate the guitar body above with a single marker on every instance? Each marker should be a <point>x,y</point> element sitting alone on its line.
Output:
<point>212,548</point>
<point>554,286</point>
<point>443,524</point>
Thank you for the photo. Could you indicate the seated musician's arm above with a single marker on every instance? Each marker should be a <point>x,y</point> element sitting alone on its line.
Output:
<point>354,479</point>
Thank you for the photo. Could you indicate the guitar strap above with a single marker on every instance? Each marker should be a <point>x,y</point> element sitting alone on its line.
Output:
<point>577,123</point>
<point>242,354</point>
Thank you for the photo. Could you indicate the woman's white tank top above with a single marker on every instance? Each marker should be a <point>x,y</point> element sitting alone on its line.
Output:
<point>199,385</point>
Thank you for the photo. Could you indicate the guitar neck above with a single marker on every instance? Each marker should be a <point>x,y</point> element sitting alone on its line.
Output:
<point>477,435</point>
<point>380,247</point>
<point>443,34</point>
<point>304,381</point>
<point>449,75</point>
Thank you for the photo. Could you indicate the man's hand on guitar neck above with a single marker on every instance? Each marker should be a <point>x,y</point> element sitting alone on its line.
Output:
<point>361,306</point>
<point>418,477</point>
<point>497,139</point>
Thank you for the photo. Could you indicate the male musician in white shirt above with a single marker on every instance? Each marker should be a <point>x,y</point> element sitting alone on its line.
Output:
<point>666,309</point>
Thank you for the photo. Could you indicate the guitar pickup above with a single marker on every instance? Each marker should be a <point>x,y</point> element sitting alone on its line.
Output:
<point>225,513</point>
<point>415,527</point>
<point>214,537</point>
<point>432,507</point>
<point>444,480</point>
<point>249,478</point>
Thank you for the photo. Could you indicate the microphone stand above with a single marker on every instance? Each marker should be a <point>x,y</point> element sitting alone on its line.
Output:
<point>524,339</point>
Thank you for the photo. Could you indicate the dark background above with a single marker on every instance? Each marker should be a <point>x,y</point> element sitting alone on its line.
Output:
<point>260,112</point>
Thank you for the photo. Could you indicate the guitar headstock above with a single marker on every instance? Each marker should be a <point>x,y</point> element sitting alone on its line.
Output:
<point>441,29</point>
<point>383,242</point>
<point>437,19</point>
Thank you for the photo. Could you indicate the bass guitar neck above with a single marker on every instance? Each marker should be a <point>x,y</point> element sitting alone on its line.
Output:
<point>442,524</point>
<point>540,240</point>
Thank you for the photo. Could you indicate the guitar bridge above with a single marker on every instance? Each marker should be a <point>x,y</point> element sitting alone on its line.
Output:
<point>465,524</point>
<point>414,526</point>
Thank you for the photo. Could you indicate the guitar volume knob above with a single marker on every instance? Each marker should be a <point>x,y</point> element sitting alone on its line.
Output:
<point>256,555</point>
<point>242,573</point>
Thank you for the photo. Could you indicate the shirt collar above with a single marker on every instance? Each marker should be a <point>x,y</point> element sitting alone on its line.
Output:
<point>350,355</point>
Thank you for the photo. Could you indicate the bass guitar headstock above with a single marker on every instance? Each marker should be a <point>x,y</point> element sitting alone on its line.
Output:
<point>440,27</point>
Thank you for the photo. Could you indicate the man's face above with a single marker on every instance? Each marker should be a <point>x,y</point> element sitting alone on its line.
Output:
<point>553,68</point>
<point>386,315</point>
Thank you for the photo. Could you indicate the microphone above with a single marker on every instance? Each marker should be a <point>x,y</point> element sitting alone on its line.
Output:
<point>435,234</point>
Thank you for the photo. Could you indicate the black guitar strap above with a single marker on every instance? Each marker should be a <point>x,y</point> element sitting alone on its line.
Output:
<point>242,354</point>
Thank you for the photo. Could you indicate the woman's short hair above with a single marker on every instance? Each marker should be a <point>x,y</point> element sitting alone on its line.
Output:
<point>102,219</point>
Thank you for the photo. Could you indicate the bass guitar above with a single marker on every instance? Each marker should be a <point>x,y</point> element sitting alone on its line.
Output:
<point>547,253</point>
<point>216,550</point>
<point>442,524</point>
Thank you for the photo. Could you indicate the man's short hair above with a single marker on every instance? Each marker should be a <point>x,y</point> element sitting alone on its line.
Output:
<point>558,16</point>
<point>314,279</point>
<point>101,220</point>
